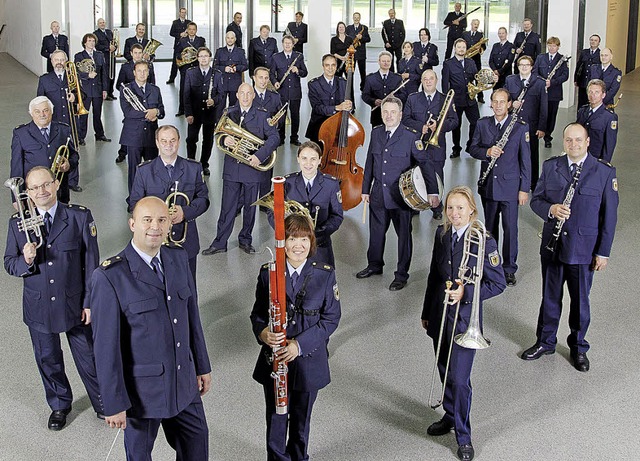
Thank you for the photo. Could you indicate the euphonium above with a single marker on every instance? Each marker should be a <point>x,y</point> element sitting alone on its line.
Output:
<point>30,220</point>
<point>476,49</point>
<point>74,85</point>
<point>62,154</point>
<point>188,55</point>
<point>151,47</point>
<point>246,143</point>
<point>171,200</point>
<point>290,206</point>
<point>484,79</point>
<point>273,121</point>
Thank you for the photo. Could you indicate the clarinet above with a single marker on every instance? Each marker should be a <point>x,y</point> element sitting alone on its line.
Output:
<point>557,230</point>
<point>504,139</point>
<point>557,66</point>
<point>286,74</point>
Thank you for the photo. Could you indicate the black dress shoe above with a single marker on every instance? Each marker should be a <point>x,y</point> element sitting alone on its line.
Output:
<point>58,419</point>
<point>397,285</point>
<point>113,98</point>
<point>511,279</point>
<point>76,188</point>
<point>121,158</point>
<point>179,114</point>
<point>281,143</point>
<point>169,82</point>
<point>535,352</point>
<point>206,172</point>
<point>367,272</point>
<point>437,215</point>
<point>213,251</point>
<point>82,143</point>
<point>248,249</point>
<point>547,144</point>
<point>295,142</point>
<point>455,153</point>
<point>99,415</point>
<point>580,361</point>
<point>103,138</point>
<point>465,452</point>
<point>441,427</point>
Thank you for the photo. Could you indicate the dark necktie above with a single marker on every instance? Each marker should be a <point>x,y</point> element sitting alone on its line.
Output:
<point>61,78</point>
<point>454,242</point>
<point>142,89</point>
<point>428,100</point>
<point>498,126</point>
<point>204,73</point>
<point>170,171</point>
<point>573,168</point>
<point>48,220</point>
<point>388,135</point>
<point>45,134</point>
<point>264,42</point>
<point>590,114</point>
<point>473,34</point>
<point>262,97</point>
<point>294,279</point>
<point>524,82</point>
<point>288,57</point>
<point>331,83</point>
<point>244,114</point>
<point>384,79</point>
<point>308,188</point>
<point>423,47</point>
<point>155,265</point>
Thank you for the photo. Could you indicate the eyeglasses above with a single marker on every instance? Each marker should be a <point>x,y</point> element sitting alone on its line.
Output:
<point>46,185</point>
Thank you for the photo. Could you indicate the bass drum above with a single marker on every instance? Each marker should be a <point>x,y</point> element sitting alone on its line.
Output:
<point>414,190</point>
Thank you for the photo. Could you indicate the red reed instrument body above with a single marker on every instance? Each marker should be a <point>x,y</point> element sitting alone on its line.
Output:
<point>341,135</point>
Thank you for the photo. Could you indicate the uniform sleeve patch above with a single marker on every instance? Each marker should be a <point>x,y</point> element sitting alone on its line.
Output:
<point>526,136</point>
<point>619,78</point>
<point>339,194</point>
<point>336,293</point>
<point>494,259</point>
<point>614,124</point>
<point>93,229</point>
<point>614,184</point>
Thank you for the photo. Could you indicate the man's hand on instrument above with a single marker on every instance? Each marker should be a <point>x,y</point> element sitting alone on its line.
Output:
<point>495,77</point>
<point>295,70</point>
<point>254,161</point>
<point>518,50</point>
<point>547,83</point>
<point>71,97</point>
<point>494,152</point>
<point>387,45</point>
<point>151,114</point>
<point>229,141</point>
<point>456,295</point>
<point>93,74</point>
<point>276,85</point>
<point>433,199</point>
<point>271,339</point>
<point>190,119</point>
<point>539,134</point>
<point>289,352</point>
<point>118,420</point>
<point>65,165</point>
<point>456,22</point>
<point>178,215</point>
<point>365,198</point>
<point>146,57</point>
<point>229,69</point>
<point>523,198</point>
<point>560,211</point>
<point>112,48</point>
<point>359,36</point>
<point>377,102</point>
<point>210,102</point>
<point>425,59</point>
<point>516,104</point>
<point>599,263</point>
<point>104,95</point>
<point>405,75</point>
<point>425,324</point>
<point>204,383</point>
<point>29,253</point>
<point>295,40</point>
<point>432,125</point>
<point>85,317</point>
<point>344,105</point>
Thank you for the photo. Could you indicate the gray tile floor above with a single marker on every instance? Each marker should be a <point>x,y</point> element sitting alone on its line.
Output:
<point>375,408</point>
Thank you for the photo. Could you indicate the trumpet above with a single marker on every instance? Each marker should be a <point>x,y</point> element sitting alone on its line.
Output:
<point>433,140</point>
<point>273,121</point>
<point>29,219</point>
<point>187,56</point>
<point>246,143</point>
<point>171,200</point>
<point>472,338</point>
<point>151,47</point>
<point>476,48</point>
<point>132,98</point>
<point>62,155</point>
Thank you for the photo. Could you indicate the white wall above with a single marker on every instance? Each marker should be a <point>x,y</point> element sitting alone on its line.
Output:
<point>595,22</point>
<point>3,41</point>
<point>563,23</point>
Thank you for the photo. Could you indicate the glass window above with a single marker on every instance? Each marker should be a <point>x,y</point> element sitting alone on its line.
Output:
<point>201,15</point>
<point>164,13</point>
<point>338,13</point>
<point>262,15</point>
<point>287,12</point>
<point>415,19</point>
<point>364,8</point>
<point>381,12</point>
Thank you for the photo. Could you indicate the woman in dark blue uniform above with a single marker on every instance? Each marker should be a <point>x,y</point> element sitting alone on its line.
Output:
<point>313,313</point>
<point>408,68</point>
<point>461,212</point>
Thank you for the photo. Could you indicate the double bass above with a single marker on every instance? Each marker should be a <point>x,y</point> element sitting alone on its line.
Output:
<point>341,135</point>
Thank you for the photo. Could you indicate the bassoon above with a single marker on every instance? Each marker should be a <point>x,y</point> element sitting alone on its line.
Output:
<point>278,298</point>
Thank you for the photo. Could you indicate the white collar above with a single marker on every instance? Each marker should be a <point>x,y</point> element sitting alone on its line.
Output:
<point>51,211</point>
<point>579,162</point>
<point>460,231</point>
<point>173,164</point>
<point>392,130</point>
<point>595,108</point>
<point>298,269</point>
<point>145,257</point>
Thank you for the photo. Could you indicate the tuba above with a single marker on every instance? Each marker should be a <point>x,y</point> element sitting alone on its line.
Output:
<point>476,49</point>
<point>246,142</point>
<point>171,200</point>
<point>30,220</point>
<point>62,155</point>
<point>188,55</point>
<point>484,79</point>
<point>151,47</point>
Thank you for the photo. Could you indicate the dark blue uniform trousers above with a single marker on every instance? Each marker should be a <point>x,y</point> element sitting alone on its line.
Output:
<point>234,195</point>
<point>193,133</point>
<point>579,278</point>
<point>457,390</point>
<point>379,222</point>
<point>50,361</point>
<point>509,211</point>
<point>298,421</point>
<point>187,434</point>
<point>83,120</point>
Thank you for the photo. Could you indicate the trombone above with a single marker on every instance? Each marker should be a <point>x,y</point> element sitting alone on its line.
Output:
<point>433,140</point>
<point>171,200</point>
<point>472,338</point>
<point>73,84</point>
<point>114,54</point>
<point>29,219</point>
<point>62,155</point>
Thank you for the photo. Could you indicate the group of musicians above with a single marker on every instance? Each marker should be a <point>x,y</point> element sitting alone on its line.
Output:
<point>136,336</point>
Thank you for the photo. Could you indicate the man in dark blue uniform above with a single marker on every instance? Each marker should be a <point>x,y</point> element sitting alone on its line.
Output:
<point>456,25</point>
<point>241,181</point>
<point>601,123</point>
<point>36,143</point>
<point>320,194</point>
<point>138,127</point>
<point>379,85</point>
<point>584,240</point>
<point>298,30</point>
<point>472,37</point>
<point>534,111</point>
<point>457,72</point>
<point>422,113</point>
<point>501,57</point>
<point>507,184</point>
<point>526,43</point>
<point>52,42</point>
<point>104,44</point>
<point>151,356</point>
<point>94,86</point>
<point>314,312</point>
<point>55,87</point>
<point>190,41</point>
<point>393,35</point>
<point>203,104</point>
<point>161,176</point>
<point>361,32</point>
<point>426,51</point>
<point>291,88</point>
<point>232,62</point>
<point>56,291</point>
<point>178,31</point>
<point>392,151</point>
<point>582,75</point>
<point>234,26</point>
<point>140,39</point>
<point>609,74</point>
<point>543,66</point>
<point>261,50</point>
<point>326,96</point>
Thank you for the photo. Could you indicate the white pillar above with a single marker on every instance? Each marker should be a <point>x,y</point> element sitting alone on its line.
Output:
<point>321,30</point>
<point>81,21</point>
<point>595,22</point>
<point>563,23</point>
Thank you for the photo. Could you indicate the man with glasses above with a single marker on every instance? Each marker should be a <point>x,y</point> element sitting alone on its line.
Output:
<point>56,277</point>
<point>36,143</point>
